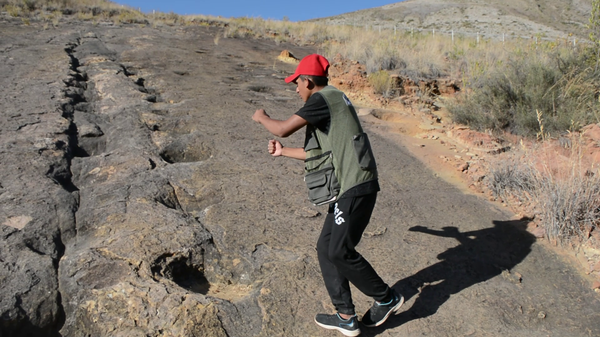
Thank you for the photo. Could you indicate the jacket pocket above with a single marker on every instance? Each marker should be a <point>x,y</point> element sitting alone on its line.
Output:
<point>322,185</point>
<point>362,148</point>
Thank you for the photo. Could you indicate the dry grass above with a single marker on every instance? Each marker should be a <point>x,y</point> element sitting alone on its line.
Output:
<point>73,5</point>
<point>381,82</point>
<point>53,10</point>
<point>562,190</point>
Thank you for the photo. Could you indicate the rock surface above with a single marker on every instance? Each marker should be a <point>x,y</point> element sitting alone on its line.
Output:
<point>137,199</point>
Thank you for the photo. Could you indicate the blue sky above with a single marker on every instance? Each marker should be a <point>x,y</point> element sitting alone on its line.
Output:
<point>268,9</point>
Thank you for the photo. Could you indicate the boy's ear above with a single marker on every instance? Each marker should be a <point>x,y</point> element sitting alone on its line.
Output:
<point>309,83</point>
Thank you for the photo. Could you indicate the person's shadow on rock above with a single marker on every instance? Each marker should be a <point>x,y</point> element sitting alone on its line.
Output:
<point>480,256</point>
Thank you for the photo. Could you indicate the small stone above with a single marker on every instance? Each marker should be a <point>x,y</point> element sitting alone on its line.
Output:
<point>463,167</point>
<point>287,57</point>
<point>596,285</point>
<point>365,112</point>
<point>89,130</point>
<point>542,315</point>
<point>307,213</point>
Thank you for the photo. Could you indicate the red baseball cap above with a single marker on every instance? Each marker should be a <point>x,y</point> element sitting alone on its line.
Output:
<point>314,64</point>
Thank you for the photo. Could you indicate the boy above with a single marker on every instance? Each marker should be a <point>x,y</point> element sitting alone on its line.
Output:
<point>340,171</point>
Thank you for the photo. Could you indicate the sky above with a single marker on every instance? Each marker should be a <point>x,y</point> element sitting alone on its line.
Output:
<point>267,9</point>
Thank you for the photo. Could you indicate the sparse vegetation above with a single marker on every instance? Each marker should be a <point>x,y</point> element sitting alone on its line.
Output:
<point>83,9</point>
<point>12,10</point>
<point>381,82</point>
<point>508,95</point>
<point>563,192</point>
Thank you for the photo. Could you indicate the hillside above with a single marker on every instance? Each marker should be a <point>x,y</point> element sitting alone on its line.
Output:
<point>491,19</point>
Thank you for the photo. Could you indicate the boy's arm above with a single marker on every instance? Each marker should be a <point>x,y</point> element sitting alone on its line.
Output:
<point>294,152</point>
<point>277,127</point>
<point>276,150</point>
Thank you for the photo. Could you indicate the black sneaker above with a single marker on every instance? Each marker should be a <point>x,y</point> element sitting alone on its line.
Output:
<point>379,312</point>
<point>349,327</point>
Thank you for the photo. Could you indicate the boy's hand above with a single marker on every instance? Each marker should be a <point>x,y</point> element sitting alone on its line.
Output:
<point>259,114</point>
<point>275,148</point>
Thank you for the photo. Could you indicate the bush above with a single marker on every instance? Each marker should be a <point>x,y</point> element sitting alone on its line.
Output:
<point>512,96</point>
<point>381,82</point>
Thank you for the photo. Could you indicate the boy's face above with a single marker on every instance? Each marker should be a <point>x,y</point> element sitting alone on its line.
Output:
<point>303,88</point>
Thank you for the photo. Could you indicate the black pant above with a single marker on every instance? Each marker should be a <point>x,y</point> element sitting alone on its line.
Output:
<point>340,263</point>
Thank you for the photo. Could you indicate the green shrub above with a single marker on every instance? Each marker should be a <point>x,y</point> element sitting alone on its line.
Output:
<point>508,98</point>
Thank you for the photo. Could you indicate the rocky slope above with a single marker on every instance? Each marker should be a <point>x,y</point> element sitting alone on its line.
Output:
<point>489,19</point>
<point>137,199</point>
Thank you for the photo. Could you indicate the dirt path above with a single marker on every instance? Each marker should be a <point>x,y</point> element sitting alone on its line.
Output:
<point>468,267</point>
<point>465,266</point>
